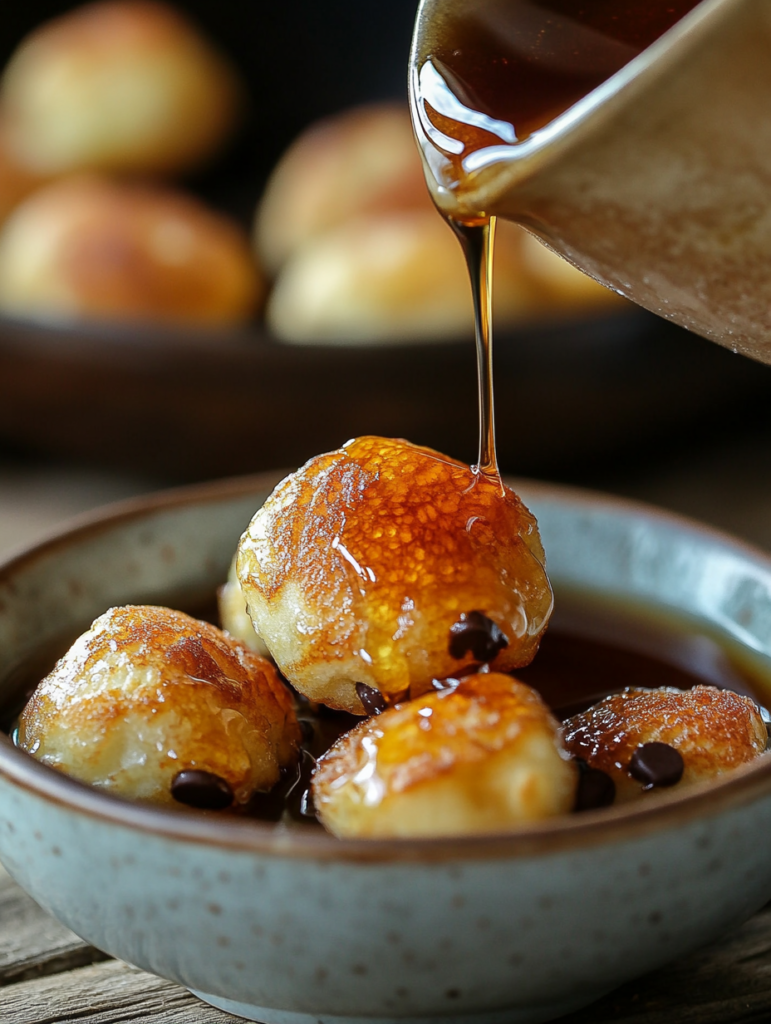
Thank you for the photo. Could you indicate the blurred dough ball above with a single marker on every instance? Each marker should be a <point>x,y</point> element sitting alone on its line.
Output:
<point>397,276</point>
<point>234,616</point>
<point>127,85</point>
<point>147,693</point>
<point>88,247</point>
<point>362,161</point>
<point>481,758</point>
<point>713,730</point>
<point>16,180</point>
<point>362,566</point>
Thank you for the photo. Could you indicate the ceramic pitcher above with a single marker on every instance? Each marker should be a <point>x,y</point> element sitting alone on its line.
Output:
<point>658,182</point>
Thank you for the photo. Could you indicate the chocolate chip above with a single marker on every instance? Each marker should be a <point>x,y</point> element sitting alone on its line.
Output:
<point>656,764</point>
<point>478,635</point>
<point>372,700</point>
<point>204,790</point>
<point>595,788</point>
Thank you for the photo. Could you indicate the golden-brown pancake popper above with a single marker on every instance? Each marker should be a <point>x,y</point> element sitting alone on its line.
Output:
<point>649,740</point>
<point>154,705</point>
<point>390,565</point>
<point>482,757</point>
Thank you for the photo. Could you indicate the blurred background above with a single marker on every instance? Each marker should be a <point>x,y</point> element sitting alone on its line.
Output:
<point>217,257</point>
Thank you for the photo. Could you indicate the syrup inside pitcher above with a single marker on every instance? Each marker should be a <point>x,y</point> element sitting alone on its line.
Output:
<point>490,73</point>
<point>629,136</point>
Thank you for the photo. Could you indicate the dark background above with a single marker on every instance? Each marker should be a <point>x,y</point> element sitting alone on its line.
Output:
<point>605,403</point>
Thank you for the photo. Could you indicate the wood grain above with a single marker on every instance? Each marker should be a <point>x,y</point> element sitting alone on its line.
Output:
<point>32,943</point>
<point>105,993</point>
<point>726,983</point>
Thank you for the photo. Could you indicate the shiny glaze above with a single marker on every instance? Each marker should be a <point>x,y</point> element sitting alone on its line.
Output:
<point>359,564</point>
<point>148,693</point>
<point>714,731</point>
<point>571,672</point>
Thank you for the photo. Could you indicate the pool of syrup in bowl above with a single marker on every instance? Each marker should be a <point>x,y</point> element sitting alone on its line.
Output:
<point>587,652</point>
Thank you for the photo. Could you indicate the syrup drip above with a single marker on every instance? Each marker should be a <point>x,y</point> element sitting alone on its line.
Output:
<point>477,242</point>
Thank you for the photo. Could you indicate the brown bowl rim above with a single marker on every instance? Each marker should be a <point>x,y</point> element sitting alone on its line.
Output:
<point>613,825</point>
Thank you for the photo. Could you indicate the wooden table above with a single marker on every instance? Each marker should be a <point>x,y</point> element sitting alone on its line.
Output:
<point>49,976</point>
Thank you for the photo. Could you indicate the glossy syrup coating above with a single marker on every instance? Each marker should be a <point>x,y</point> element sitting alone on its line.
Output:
<point>359,564</point>
<point>148,693</point>
<point>483,757</point>
<point>714,730</point>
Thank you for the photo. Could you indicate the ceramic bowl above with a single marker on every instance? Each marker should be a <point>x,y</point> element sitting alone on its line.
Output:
<point>293,928</point>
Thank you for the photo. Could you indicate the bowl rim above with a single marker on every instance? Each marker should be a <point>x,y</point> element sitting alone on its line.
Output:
<point>592,828</point>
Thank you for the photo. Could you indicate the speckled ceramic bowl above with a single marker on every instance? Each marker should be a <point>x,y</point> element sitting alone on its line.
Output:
<point>290,928</point>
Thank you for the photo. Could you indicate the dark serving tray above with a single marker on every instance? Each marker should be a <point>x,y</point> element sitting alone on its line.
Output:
<point>188,405</point>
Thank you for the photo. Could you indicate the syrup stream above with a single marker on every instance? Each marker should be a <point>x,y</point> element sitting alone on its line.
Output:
<point>477,242</point>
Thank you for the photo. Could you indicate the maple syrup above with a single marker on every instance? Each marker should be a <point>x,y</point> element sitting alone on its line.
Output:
<point>477,242</point>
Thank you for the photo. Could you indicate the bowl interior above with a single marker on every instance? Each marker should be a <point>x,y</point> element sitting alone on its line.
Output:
<point>622,573</point>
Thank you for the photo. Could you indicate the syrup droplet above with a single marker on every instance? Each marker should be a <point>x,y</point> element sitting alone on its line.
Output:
<point>307,808</point>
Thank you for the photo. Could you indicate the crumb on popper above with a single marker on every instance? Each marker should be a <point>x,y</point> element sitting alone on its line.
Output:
<point>479,758</point>
<point>361,564</point>
<point>154,705</point>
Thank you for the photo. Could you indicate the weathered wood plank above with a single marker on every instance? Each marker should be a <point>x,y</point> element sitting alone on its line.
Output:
<point>727,983</point>
<point>32,943</point>
<point>105,993</point>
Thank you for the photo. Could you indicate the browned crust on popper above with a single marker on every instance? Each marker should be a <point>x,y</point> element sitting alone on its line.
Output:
<point>358,565</point>
<point>145,676</point>
<point>714,730</point>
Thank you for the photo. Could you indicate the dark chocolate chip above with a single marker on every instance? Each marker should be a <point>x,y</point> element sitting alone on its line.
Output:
<point>478,635</point>
<point>204,790</point>
<point>595,788</point>
<point>372,700</point>
<point>656,764</point>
